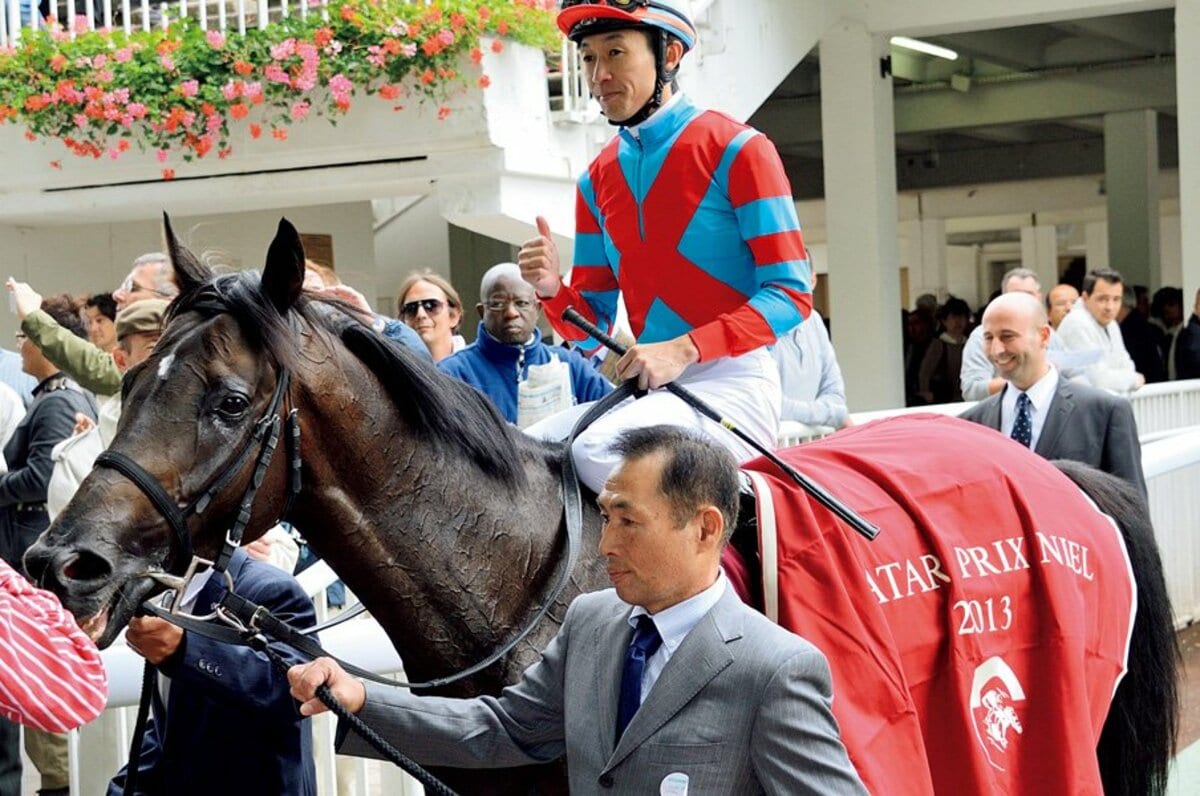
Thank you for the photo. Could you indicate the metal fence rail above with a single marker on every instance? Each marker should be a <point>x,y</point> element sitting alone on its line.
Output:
<point>130,15</point>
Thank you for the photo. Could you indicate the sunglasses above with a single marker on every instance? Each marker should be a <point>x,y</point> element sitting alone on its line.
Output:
<point>431,306</point>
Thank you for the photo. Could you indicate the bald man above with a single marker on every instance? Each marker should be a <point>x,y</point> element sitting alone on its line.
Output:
<point>1061,298</point>
<point>526,379</point>
<point>1056,418</point>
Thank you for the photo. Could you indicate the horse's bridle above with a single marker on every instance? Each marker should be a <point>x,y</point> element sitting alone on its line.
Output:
<point>266,435</point>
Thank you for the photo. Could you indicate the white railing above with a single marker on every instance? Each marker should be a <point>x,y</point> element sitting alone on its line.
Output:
<point>129,15</point>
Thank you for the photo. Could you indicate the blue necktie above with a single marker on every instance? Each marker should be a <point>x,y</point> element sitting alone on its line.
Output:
<point>646,642</point>
<point>1023,427</point>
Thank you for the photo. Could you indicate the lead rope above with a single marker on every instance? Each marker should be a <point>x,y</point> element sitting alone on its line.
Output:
<point>135,746</point>
<point>431,783</point>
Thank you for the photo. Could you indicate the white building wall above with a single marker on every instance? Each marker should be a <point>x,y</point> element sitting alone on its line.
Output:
<point>93,258</point>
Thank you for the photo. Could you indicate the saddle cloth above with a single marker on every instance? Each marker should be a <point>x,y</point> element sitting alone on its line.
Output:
<point>976,643</point>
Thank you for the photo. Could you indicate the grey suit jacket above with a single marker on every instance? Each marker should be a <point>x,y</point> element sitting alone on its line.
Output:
<point>1084,424</point>
<point>743,706</point>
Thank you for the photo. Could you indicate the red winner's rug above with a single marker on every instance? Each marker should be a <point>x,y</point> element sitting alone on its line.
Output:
<point>977,642</point>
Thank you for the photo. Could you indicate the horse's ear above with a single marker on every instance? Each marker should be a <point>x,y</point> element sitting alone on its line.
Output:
<point>283,275</point>
<point>189,271</point>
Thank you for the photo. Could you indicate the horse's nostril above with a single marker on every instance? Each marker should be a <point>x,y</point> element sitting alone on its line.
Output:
<point>85,565</point>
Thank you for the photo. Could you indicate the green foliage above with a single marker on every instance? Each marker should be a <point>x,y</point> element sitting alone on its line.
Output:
<point>180,90</point>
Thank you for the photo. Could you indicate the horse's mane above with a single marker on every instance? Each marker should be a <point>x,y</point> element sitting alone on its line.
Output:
<point>445,412</point>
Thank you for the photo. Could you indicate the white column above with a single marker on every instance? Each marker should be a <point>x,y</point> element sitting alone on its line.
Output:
<point>1131,185</point>
<point>1039,253</point>
<point>925,256</point>
<point>1187,66</point>
<point>1095,239</point>
<point>858,130</point>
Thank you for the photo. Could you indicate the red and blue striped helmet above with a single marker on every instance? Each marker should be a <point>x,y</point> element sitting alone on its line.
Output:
<point>580,18</point>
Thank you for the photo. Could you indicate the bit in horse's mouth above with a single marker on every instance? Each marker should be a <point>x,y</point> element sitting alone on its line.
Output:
<point>123,604</point>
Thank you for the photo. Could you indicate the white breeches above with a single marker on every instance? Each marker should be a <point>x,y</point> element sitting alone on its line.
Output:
<point>745,390</point>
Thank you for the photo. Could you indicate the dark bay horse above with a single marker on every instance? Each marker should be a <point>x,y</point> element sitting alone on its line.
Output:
<point>445,521</point>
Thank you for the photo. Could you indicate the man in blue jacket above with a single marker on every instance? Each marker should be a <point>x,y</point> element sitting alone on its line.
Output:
<point>212,699</point>
<point>526,379</point>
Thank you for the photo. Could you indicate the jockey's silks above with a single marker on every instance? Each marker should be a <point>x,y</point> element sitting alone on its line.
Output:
<point>692,220</point>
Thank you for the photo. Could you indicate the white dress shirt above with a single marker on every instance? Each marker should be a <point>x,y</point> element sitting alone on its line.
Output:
<point>673,625</point>
<point>1040,396</point>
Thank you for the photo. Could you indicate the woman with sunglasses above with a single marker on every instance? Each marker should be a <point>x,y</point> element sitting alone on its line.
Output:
<point>688,216</point>
<point>430,306</point>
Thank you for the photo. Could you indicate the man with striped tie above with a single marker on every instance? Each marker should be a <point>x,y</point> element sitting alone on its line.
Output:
<point>1056,418</point>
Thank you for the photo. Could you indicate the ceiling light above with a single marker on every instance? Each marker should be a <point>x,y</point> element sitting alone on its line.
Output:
<point>924,47</point>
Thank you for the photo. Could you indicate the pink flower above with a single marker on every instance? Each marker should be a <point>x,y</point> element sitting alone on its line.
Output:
<point>215,39</point>
<point>189,88</point>
<point>340,84</point>
<point>120,95</point>
<point>334,47</point>
<point>284,49</point>
<point>253,91</point>
<point>99,61</point>
<point>446,37</point>
<point>213,123</point>
<point>126,120</point>
<point>300,110</point>
<point>114,153</point>
<point>305,82</point>
<point>137,110</point>
<point>161,155</point>
<point>167,63</point>
<point>104,76</point>
<point>123,55</point>
<point>232,90</point>
<point>81,121</point>
<point>399,29</point>
<point>276,75</point>
<point>409,49</point>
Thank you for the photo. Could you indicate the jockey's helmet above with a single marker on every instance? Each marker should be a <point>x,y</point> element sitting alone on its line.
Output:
<point>667,20</point>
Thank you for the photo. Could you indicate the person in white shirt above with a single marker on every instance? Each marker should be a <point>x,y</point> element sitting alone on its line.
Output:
<point>813,390</point>
<point>1092,326</point>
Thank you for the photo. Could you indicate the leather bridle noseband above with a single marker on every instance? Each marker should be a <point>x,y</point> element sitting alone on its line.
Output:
<point>266,435</point>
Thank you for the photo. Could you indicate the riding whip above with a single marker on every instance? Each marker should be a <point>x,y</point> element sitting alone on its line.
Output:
<point>844,512</point>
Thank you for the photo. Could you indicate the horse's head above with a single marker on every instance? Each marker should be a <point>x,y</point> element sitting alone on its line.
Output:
<point>190,412</point>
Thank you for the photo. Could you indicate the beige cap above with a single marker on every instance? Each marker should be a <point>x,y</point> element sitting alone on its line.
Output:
<point>141,316</point>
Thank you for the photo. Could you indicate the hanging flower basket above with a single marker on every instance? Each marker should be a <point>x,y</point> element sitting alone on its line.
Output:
<point>179,91</point>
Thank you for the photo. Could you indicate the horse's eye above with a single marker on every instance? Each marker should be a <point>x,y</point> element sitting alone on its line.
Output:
<point>233,406</point>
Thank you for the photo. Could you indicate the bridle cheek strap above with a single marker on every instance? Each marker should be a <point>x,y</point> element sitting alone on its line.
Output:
<point>266,434</point>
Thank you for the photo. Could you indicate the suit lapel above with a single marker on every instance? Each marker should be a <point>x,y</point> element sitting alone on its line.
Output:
<point>703,654</point>
<point>610,641</point>
<point>1057,417</point>
<point>991,409</point>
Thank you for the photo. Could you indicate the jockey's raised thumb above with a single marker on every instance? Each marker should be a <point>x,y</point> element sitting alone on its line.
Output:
<point>543,228</point>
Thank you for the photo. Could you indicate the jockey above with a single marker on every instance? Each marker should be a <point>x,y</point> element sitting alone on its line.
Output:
<point>688,216</point>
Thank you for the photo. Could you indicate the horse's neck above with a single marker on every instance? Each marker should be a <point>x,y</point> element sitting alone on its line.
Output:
<point>450,562</point>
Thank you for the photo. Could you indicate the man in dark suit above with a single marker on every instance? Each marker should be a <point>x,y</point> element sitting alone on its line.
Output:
<point>1058,419</point>
<point>1187,346</point>
<point>213,698</point>
<point>669,683</point>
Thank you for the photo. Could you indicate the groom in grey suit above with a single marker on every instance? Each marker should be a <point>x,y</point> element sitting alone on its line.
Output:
<point>1066,420</point>
<point>668,683</point>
